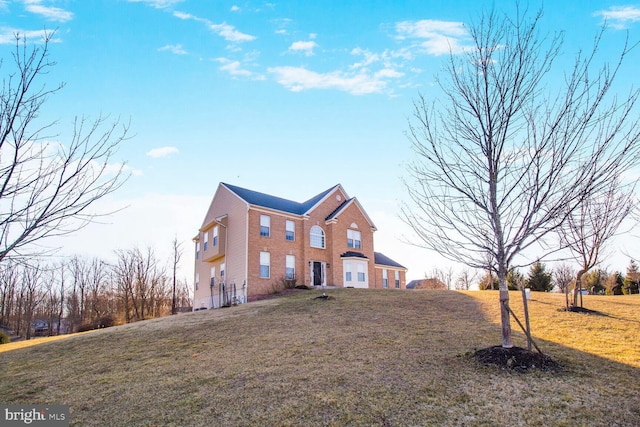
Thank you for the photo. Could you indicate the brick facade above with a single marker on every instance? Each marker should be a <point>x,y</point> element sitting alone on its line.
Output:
<point>235,215</point>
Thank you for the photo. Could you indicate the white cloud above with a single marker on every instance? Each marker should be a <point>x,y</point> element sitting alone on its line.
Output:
<point>388,73</point>
<point>8,36</point>
<point>173,48</point>
<point>440,37</point>
<point>159,152</point>
<point>620,16</point>
<point>305,47</point>
<point>298,79</point>
<point>235,69</point>
<point>369,58</point>
<point>235,8</point>
<point>158,4</point>
<point>229,33</point>
<point>224,30</point>
<point>49,12</point>
<point>183,15</point>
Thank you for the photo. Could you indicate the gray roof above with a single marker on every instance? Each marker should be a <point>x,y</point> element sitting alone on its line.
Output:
<point>353,254</point>
<point>382,259</point>
<point>272,202</point>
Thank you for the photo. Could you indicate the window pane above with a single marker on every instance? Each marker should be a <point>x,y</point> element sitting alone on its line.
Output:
<point>265,261</point>
<point>290,230</point>
<point>316,238</point>
<point>265,225</point>
<point>264,271</point>
<point>290,273</point>
<point>353,239</point>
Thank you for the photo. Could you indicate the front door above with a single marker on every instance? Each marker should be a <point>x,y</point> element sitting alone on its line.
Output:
<point>317,273</point>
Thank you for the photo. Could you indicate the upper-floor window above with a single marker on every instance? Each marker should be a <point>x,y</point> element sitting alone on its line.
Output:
<point>385,278</point>
<point>197,250</point>
<point>206,240</point>
<point>290,268</point>
<point>316,237</point>
<point>265,264</point>
<point>215,236</point>
<point>290,230</point>
<point>353,239</point>
<point>397,278</point>
<point>265,225</point>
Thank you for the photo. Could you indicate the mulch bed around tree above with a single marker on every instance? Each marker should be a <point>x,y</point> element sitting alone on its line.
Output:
<point>575,309</point>
<point>516,359</point>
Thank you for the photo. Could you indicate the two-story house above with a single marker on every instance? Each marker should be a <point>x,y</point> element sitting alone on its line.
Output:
<point>250,240</point>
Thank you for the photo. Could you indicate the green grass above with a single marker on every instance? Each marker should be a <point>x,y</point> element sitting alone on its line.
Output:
<point>361,358</point>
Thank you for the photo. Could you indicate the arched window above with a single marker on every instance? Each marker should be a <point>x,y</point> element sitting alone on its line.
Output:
<point>316,237</point>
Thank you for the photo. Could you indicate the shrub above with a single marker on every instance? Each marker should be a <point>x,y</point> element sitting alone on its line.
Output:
<point>4,337</point>
<point>106,322</point>
<point>282,283</point>
<point>86,327</point>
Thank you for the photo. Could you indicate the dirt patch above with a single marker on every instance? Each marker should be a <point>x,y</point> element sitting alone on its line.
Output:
<point>516,359</point>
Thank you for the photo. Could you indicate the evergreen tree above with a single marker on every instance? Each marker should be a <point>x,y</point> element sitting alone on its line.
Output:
<point>595,281</point>
<point>630,284</point>
<point>539,279</point>
<point>614,284</point>
<point>515,280</point>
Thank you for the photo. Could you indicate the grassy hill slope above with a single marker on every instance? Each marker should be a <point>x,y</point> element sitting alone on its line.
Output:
<point>363,357</point>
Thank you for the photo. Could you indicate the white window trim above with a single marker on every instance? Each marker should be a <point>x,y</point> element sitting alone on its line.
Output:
<point>354,236</point>
<point>290,263</point>
<point>312,235</point>
<point>265,260</point>
<point>265,221</point>
<point>293,230</point>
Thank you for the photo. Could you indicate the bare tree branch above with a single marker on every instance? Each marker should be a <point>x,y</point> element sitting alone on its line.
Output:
<point>47,188</point>
<point>512,151</point>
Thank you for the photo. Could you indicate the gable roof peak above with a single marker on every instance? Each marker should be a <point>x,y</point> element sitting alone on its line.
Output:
<point>264,200</point>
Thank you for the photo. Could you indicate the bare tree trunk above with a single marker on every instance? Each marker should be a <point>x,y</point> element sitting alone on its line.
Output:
<point>502,163</point>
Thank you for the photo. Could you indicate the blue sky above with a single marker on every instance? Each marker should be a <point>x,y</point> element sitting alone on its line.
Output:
<point>287,98</point>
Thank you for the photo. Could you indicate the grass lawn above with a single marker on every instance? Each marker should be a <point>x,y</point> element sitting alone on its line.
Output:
<point>360,358</point>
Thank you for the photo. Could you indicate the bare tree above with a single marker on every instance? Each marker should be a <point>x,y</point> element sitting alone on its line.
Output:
<point>444,276</point>
<point>47,188</point>
<point>177,254</point>
<point>510,154</point>
<point>465,279</point>
<point>589,228</point>
<point>563,274</point>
